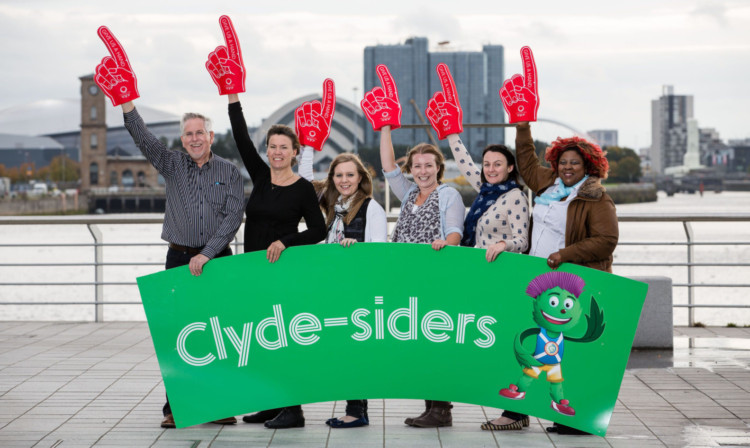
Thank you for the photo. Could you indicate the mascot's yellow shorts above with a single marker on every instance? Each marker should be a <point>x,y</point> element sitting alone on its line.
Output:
<point>554,372</point>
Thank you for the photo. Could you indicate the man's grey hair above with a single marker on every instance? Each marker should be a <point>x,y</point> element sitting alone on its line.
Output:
<point>190,115</point>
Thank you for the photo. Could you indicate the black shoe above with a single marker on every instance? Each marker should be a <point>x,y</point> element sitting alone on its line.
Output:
<point>336,423</point>
<point>262,416</point>
<point>567,430</point>
<point>288,418</point>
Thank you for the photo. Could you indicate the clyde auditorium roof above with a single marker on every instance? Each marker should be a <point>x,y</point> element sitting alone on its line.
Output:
<point>52,117</point>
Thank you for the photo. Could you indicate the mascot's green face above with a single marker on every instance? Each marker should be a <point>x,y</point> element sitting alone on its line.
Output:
<point>557,310</point>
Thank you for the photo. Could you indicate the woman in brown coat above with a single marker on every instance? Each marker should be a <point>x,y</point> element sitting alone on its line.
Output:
<point>574,218</point>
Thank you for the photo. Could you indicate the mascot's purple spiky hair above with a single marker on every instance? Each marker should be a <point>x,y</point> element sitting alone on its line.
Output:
<point>567,281</point>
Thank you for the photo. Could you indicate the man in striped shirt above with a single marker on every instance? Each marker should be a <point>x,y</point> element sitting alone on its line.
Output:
<point>205,198</point>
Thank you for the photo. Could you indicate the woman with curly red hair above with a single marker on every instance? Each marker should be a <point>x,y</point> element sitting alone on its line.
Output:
<point>574,219</point>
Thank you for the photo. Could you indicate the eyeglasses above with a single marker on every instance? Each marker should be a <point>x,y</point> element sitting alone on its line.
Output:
<point>199,134</point>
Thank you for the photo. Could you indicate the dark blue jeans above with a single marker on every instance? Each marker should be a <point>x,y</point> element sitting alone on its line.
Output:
<point>176,259</point>
<point>356,408</point>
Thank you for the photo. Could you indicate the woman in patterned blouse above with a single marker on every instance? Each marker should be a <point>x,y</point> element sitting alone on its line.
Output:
<point>498,220</point>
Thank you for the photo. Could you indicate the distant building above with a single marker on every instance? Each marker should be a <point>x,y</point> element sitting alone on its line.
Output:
<point>713,151</point>
<point>741,161</point>
<point>60,120</point>
<point>15,150</point>
<point>669,133</point>
<point>604,137</point>
<point>478,77</point>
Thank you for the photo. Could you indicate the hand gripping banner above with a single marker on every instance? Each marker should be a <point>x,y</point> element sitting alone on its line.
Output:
<point>380,105</point>
<point>114,75</point>
<point>312,120</point>
<point>520,94</point>
<point>248,335</point>
<point>443,109</point>
<point>225,64</point>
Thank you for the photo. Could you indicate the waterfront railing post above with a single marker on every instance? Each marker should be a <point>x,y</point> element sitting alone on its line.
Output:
<point>690,267</point>
<point>98,273</point>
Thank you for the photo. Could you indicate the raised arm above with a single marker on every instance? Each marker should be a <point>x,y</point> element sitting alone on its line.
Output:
<point>151,147</point>
<point>396,179</point>
<point>255,165</point>
<point>387,155</point>
<point>534,174</point>
<point>465,164</point>
<point>305,169</point>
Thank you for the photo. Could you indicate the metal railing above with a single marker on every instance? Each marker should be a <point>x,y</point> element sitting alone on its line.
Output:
<point>692,262</point>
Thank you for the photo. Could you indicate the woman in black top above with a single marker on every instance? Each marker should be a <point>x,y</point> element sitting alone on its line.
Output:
<point>280,198</point>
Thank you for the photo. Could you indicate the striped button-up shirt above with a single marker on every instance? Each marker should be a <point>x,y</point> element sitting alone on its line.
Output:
<point>204,205</point>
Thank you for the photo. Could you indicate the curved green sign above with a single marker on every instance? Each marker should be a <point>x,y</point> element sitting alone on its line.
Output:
<point>248,335</point>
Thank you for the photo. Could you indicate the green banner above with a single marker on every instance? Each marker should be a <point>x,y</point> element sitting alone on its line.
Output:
<point>412,322</point>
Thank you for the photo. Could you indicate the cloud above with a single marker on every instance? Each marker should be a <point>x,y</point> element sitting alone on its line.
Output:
<point>713,10</point>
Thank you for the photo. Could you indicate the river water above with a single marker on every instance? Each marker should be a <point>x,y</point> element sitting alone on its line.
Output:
<point>709,203</point>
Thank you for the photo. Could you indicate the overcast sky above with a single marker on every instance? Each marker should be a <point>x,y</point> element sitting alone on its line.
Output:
<point>600,63</point>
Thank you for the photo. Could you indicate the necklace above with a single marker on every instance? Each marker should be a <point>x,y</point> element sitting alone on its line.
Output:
<point>281,182</point>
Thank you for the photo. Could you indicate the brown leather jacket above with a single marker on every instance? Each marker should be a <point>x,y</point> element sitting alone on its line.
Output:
<point>591,229</point>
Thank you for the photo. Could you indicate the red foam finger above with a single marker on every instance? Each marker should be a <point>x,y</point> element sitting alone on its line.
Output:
<point>378,92</point>
<point>214,59</point>
<point>299,118</point>
<point>221,52</point>
<point>114,47</point>
<point>109,63</point>
<point>213,69</point>
<point>439,98</point>
<point>387,81</point>
<point>366,106</point>
<point>307,109</point>
<point>446,81</point>
<point>230,37</point>
<point>103,83</point>
<point>329,99</point>
<point>316,108</point>
<point>432,106</point>
<point>504,95</point>
<point>432,115</point>
<point>518,82</point>
<point>529,69</point>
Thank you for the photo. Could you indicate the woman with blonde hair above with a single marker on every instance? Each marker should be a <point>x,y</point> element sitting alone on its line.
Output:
<point>346,200</point>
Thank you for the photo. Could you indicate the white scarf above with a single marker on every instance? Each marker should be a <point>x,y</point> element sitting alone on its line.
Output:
<point>336,230</point>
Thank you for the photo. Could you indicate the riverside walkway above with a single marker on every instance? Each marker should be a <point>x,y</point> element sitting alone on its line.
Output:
<point>65,384</point>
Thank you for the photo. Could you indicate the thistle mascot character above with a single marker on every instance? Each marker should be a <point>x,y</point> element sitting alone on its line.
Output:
<point>557,310</point>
